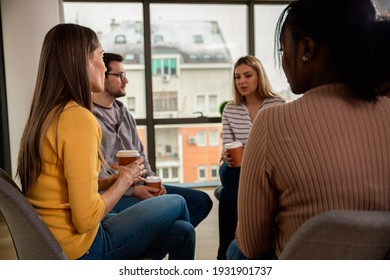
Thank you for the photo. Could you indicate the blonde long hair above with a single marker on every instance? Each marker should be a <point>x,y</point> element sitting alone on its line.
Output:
<point>264,89</point>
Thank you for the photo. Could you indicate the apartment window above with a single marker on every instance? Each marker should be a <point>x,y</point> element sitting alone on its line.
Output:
<point>214,172</point>
<point>165,101</point>
<point>202,173</point>
<point>206,57</point>
<point>166,66</point>
<point>120,39</point>
<point>198,39</point>
<point>193,56</point>
<point>158,39</point>
<point>165,172</point>
<point>173,66</point>
<point>220,56</point>
<point>201,139</point>
<point>156,67</point>
<point>130,57</point>
<point>175,172</point>
<point>214,138</point>
<point>213,103</point>
<point>168,174</point>
<point>200,103</point>
<point>130,102</point>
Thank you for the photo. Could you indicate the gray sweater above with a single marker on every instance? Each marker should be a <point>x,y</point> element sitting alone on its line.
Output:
<point>125,137</point>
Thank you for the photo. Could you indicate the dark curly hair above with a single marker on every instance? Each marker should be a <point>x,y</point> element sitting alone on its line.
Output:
<point>358,40</point>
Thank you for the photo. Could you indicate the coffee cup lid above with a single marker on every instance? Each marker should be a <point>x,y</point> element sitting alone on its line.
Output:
<point>127,153</point>
<point>233,145</point>
<point>153,179</point>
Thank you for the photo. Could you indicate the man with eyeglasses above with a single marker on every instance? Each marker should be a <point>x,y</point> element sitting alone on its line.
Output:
<point>120,133</point>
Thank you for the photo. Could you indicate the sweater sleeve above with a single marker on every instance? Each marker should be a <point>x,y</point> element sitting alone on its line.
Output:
<point>79,137</point>
<point>257,201</point>
<point>227,131</point>
<point>138,144</point>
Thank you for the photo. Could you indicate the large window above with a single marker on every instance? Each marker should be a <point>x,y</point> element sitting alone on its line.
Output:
<point>179,64</point>
<point>177,52</point>
<point>193,48</point>
<point>120,30</point>
<point>266,17</point>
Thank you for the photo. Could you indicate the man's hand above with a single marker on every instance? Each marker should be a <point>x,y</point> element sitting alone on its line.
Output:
<point>144,192</point>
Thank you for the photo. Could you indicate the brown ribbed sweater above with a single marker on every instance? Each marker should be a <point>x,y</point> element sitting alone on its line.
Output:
<point>326,150</point>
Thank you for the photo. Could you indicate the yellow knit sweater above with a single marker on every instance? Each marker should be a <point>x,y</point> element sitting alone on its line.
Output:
<point>66,192</point>
<point>324,151</point>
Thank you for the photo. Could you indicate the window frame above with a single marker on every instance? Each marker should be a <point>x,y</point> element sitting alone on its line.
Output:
<point>5,146</point>
<point>149,121</point>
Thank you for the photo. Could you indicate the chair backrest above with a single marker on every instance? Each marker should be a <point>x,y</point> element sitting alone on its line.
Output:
<point>31,236</point>
<point>341,235</point>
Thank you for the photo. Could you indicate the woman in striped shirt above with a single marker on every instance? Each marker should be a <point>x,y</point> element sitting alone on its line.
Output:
<point>251,92</point>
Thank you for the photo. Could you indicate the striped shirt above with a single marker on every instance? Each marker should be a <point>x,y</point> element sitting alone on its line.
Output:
<point>236,121</point>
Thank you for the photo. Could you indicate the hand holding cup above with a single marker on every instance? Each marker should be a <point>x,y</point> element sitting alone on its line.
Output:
<point>133,173</point>
<point>233,153</point>
<point>154,182</point>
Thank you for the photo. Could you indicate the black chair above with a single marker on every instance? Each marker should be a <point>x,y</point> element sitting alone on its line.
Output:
<point>217,192</point>
<point>31,236</point>
<point>341,235</point>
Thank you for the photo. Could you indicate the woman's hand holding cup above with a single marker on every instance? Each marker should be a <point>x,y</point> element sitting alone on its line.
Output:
<point>132,173</point>
<point>227,158</point>
<point>233,154</point>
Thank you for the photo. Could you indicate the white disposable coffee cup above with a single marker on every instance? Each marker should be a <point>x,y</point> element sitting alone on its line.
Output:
<point>126,157</point>
<point>236,151</point>
<point>154,182</point>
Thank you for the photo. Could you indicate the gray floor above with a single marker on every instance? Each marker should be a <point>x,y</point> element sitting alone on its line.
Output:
<point>207,232</point>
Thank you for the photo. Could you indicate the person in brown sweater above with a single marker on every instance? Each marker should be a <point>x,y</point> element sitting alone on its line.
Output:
<point>330,148</point>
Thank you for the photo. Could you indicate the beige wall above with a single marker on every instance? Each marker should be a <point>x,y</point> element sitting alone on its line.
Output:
<point>25,24</point>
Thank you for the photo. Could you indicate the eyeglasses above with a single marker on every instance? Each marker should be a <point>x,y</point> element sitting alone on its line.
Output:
<point>120,75</point>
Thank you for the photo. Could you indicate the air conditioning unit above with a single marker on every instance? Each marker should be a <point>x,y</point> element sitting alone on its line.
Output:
<point>192,140</point>
<point>166,78</point>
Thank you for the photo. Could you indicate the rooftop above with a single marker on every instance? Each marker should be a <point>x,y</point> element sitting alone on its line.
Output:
<point>193,41</point>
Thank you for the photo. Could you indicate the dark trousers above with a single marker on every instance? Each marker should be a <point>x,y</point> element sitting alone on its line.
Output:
<point>227,212</point>
<point>198,202</point>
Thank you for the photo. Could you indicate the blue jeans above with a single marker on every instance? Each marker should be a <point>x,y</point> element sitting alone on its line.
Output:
<point>151,227</point>
<point>198,202</point>
<point>227,211</point>
<point>234,252</point>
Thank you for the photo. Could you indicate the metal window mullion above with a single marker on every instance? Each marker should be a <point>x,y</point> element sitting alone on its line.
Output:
<point>150,132</point>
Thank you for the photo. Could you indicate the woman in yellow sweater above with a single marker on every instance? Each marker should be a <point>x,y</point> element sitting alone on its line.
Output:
<point>60,160</point>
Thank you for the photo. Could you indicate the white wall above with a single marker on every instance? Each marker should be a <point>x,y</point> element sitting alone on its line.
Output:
<point>25,24</point>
